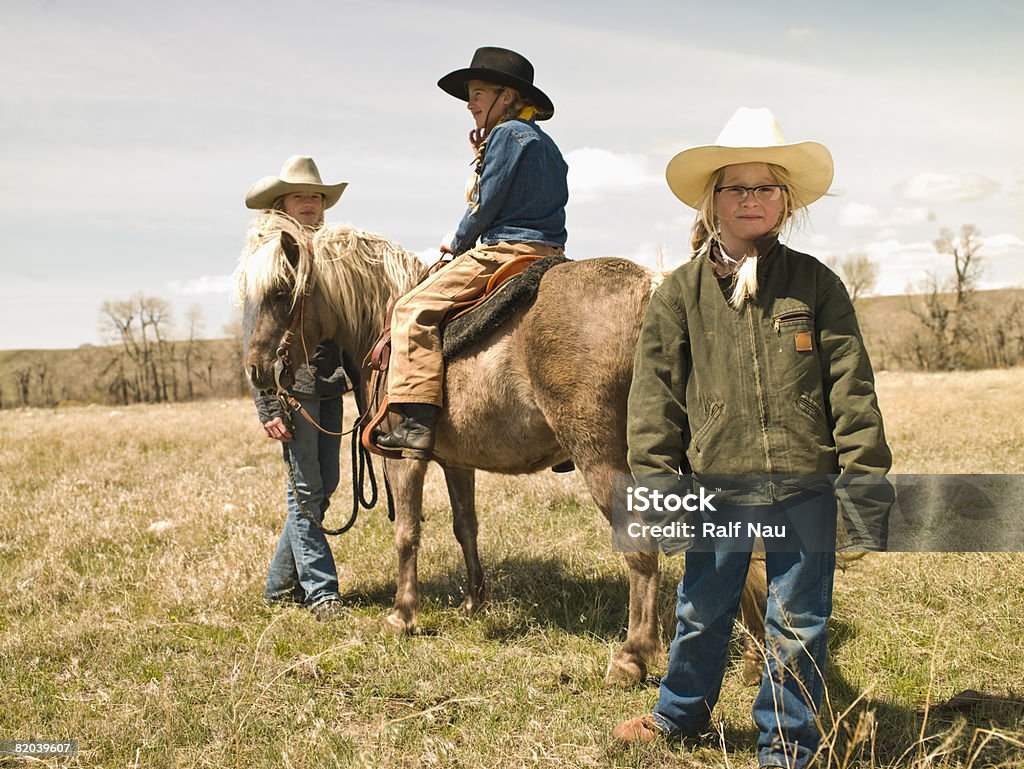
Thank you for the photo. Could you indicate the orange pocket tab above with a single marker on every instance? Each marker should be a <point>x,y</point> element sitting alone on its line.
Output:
<point>804,341</point>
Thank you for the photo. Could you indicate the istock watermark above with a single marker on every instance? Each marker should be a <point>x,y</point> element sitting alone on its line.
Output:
<point>815,513</point>
<point>640,499</point>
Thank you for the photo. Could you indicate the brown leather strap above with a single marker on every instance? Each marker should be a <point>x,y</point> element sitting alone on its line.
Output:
<point>366,438</point>
<point>379,355</point>
<point>294,403</point>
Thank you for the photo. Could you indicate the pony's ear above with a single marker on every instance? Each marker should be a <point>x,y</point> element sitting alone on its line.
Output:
<point>291,249</point>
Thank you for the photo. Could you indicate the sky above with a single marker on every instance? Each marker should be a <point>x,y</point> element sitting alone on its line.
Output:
<point>130,131</point>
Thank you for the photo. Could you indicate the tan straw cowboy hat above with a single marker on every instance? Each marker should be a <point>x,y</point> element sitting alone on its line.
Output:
<point>299,174</point>
<point>751,136</point>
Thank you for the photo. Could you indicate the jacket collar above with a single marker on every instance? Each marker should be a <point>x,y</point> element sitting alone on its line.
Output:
<point>725,267</point>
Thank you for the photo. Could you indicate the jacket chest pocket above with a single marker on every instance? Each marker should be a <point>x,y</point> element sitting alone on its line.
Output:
<point>796,328</point>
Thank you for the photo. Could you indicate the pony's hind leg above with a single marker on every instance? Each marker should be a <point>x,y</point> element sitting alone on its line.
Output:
<point>406,478</point>
<point>462,492</point>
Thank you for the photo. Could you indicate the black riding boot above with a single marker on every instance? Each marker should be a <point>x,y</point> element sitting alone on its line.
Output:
<point>415,433</point>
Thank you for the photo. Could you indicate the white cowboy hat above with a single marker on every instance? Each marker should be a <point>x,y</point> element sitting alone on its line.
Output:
<point>299,174</point>
<point>751,136</point>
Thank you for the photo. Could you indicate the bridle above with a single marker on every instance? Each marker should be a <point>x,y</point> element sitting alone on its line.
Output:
<point>362,466</point>
<point>282,356</point>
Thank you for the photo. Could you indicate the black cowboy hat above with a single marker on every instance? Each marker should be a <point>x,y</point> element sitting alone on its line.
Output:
<point>502,67</point>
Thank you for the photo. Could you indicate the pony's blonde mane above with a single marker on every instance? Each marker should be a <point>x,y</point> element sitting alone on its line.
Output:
<point>263,268</point>
<point>357,272</point>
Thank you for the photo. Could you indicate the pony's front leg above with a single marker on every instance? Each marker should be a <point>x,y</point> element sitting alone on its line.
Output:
<point>643,646</point>
<point>643,642</point>
<point>406,478</point>
<point>462,493</point>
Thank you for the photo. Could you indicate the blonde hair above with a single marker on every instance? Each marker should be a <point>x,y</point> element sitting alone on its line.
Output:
<point>358,272</point>
<point>704,232</point>
<point>262,270</point>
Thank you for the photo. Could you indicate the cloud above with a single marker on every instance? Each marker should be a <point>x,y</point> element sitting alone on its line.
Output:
<point>657,256</point>
<point>207,284</point>
<point>865,215</point>
<point>1001,258</point>
<point>901,217</point>
<point>1001,244</point>
<point>946,188</point>
<point>859,215</point>
<point>597,173</point>
<point>799,34</point>
<point>903,267</point>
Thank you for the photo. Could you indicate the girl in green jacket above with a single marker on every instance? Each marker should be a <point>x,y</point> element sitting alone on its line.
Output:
<point>751,368</point>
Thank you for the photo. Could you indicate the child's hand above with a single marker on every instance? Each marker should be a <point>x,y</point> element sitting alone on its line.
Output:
<point>276,429</point>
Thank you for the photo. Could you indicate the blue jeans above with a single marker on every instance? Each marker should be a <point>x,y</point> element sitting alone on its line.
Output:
<point>302,569</point>
<point>796,628</point>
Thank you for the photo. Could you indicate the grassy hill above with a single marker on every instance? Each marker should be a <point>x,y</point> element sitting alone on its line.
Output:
<point>889,325</point>
<point>97,374</point>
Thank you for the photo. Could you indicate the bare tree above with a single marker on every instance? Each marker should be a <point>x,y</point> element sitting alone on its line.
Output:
<point>196,324</point>
<point>142,363</point>
<point>23,383</point>
<point>945,341</point>
<point>233,330</point>
<point>140,325</point>
<point>859,273</point>
<point>45,384</point>
<point>966,262</point>
<point>155,315</point>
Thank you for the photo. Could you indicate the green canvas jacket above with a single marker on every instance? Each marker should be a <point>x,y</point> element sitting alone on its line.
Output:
<point>780,387</point>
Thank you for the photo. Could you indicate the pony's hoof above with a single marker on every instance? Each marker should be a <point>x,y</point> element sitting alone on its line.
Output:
<point>625,672</point>
<point>752,670</point>
<point>470,606</point>
<point>395,624</point>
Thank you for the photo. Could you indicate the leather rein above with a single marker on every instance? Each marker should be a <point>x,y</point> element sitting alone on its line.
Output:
<point>362,464</point>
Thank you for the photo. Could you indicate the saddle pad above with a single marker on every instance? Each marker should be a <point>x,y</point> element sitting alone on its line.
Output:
<point>466,330</point>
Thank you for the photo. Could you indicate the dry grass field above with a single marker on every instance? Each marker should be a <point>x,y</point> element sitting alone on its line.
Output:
<point>133,550</point>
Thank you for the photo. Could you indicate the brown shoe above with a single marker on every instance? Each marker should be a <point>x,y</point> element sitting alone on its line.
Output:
<point>639,729</point>
<point>329,611</point>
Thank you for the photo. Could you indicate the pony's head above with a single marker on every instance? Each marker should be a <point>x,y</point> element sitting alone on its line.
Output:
<point>335,284</point>
<point>284,311</point>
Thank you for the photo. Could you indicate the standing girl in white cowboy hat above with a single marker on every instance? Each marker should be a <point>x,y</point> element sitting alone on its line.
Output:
<point>302,569</point>
<point>516,207</point>
<point>750,367</point>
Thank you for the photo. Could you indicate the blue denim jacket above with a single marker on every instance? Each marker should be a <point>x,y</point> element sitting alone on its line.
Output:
<point>523,190</point>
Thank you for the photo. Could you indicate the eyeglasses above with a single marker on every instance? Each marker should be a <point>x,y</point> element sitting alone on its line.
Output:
<point>763,193</point>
